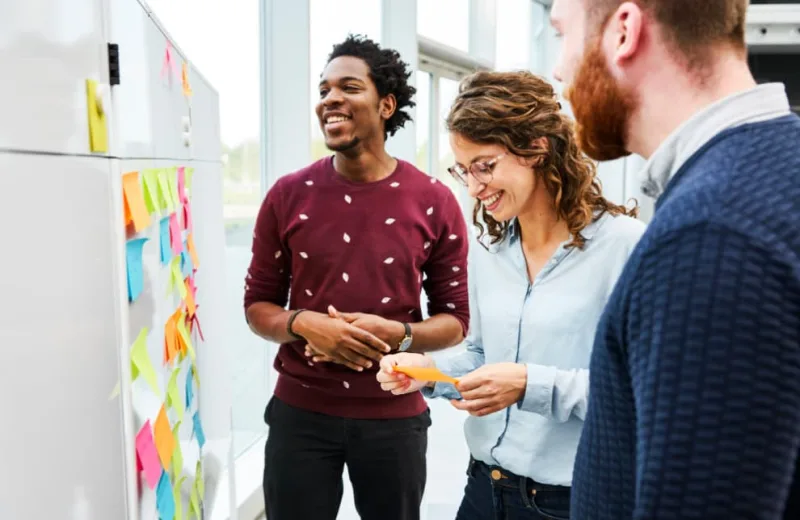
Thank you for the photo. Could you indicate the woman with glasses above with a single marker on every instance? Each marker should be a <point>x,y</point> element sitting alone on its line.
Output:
<point>550,250</point>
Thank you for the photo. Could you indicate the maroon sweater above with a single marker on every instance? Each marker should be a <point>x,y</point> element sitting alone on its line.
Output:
<point>362,247</point>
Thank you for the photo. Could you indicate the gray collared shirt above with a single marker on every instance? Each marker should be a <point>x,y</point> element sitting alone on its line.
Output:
<point>762,103</point>
<point>547,325</point>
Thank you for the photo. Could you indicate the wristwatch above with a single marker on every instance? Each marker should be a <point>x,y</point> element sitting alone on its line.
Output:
<point>405,343</point>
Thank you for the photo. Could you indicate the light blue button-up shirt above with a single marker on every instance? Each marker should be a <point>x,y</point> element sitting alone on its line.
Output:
<point>548,325</point>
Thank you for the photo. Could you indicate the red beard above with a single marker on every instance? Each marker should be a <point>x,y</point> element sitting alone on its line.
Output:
<point>602,108</point>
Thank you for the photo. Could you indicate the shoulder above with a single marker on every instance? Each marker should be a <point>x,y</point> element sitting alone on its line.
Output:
<point>304,177</point>
<point>427,186</point>
<point>621,228</point>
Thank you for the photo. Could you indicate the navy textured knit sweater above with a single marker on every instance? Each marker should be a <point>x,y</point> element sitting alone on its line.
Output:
<point>694,407</point>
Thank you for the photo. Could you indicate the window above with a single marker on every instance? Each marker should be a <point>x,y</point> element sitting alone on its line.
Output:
<point>446,21</point>
<point>331,22</point>
<point>513,50</point>
<point>423,120</point>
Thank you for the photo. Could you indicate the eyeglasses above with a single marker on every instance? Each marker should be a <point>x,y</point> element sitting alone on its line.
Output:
<point>480,170</point>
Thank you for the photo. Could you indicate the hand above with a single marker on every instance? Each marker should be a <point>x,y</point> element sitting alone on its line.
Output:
<point>491,388</point>
<point>384,329</point>
<point>398,383</point>
<point>340,341</point>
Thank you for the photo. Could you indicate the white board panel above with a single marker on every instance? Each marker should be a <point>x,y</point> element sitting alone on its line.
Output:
<point>48,48</point>
<point>206,143</point>
<point>59,309</point>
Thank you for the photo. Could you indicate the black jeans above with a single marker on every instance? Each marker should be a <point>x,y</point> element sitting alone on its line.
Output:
<point>305,457</point>
<point>493,493</point>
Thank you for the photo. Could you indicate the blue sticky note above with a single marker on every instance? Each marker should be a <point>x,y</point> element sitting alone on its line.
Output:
<point>186,263</point>
<point>166,251</point>
<point>133,262</point>
<point>198,430</point>
<point>189,388</point>
<point>165,499</point>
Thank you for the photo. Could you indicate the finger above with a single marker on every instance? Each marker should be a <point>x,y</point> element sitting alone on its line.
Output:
<point>388,387</point>
<point>486,411</point>
<point>363,350</point>
<point>350,317</point>
<point>472,406</point>
<point>469,382</point>
<point>354,356</point>
<point>369,339</point>
<point>481,392</point>
<point>388,363</point>
<point>332,312</point>
<point>383,377</point>
<point>403,389</point>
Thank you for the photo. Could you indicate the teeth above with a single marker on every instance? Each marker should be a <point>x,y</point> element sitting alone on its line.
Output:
<point>491,200</point>
<point>337,119</point>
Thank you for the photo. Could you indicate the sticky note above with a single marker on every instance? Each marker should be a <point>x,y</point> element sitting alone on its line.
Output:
<point>141,364</point>
<point>177,454</point>
<point>189,388</point>
<point>171,344</point>
<point>173,394</point>
<point>182,185</point>
<point>186,340</point>
<point>176,239</point>
<point>187,269</point>
<point>146,451</point>
<point>199,483</point>
<point>187,216</point>
<point>114,392</point>
<point>191,286</point>
<point>98,129</point>
<point>176,492</point>
<point>133,263</point>
<point>176,278</point>
<point>164,241</point>
<point>132,191</point>
<point>194,503</point>
<point>189,175</point>
<point>165,442</point>
<point>150,188</point>
<point>172,176</point>
<point>186,87</point>
<point>164,195</point>
<point>165,498</point>
<point>198,429</point>
<point>191,307</point>
<point>192,250</point>
<point>425,374</point>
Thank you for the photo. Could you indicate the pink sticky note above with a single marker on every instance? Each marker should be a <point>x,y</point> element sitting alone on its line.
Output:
<point>175,234</point>
<point>181,185</point>
<point>187,216</point>
<point>146,450</point>
<point>192,287</point>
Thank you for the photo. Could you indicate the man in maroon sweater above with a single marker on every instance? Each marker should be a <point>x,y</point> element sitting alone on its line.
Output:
<point>350,241</point>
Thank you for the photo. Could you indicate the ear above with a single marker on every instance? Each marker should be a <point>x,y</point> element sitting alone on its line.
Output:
<point>387,107</point>
<point>624,33</point>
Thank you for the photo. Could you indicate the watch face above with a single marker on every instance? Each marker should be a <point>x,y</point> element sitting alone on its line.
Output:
<point>405,344</point>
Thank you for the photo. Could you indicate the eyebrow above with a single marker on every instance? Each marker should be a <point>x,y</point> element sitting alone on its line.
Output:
<point>478,158</point>
<point>341,80</point>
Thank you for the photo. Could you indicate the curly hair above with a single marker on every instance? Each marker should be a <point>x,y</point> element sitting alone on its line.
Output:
<point>514,110</point>
<point>389,73</point>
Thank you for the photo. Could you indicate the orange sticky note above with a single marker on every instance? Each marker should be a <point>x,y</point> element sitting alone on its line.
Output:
<point>191,307</point>
<point>425,374</point>
<point>192,250</point>
<point>165,442</point>
<point>170,340</point>
<point>134,201</point>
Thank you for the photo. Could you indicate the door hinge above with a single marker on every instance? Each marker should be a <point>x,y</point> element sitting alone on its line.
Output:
<point>113,63</point>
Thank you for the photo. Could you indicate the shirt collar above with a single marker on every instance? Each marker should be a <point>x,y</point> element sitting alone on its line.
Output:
<point>762,103</point>
<point>588,232</point>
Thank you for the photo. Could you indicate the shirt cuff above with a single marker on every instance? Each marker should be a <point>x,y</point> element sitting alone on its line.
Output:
<point>538,396</point>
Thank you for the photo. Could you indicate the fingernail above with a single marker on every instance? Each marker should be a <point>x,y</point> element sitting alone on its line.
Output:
<point>369,365</point>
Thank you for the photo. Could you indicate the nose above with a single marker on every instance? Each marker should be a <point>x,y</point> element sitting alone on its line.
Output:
<point>474,188</point>
<point>333,97</point>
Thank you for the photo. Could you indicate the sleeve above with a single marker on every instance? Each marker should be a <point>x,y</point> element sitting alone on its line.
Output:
<point>713,341</point>
<point>556,394</point>
<point>470,358</point>
<point>268,276</point>
<point>446,267</point>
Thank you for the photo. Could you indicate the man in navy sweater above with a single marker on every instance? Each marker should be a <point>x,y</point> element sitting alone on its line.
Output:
<point>694,408</point>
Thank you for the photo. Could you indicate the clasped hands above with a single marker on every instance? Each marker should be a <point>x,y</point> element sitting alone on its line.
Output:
<point>355,340</point>
<point>485,390</point>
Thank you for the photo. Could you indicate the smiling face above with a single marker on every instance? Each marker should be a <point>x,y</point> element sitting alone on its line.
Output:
<point>509,181</point>
<point>349,110</point>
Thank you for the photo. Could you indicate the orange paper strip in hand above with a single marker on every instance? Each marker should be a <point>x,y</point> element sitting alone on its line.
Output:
<point>425,374</point>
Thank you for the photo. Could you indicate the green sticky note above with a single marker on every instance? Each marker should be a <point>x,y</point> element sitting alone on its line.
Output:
<point>141,364</point>
<point>176,493</point>
<point>173,394</point>
<point>198,480</point>
<point>188,173</point>
<point>194,503</point>
<point>186,339</point>
<point>164,195</point>
<point>177,453</point>
<point>176,278</point>
<point>150,182</point>
<point>173,187</point>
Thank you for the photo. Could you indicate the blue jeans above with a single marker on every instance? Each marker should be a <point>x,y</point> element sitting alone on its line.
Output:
<point>495,494</point>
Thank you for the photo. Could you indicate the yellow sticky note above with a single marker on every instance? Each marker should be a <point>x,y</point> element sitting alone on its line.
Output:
<point>150,185</point>
<point>194,503</point>
<point>173,395</point>
<point>192,250</point>
<point>425,374</point>
<point>195,376</point>
<point>141,364</point>
<point>165,442</point>
<point>172,177</point>
<point>177,454</point>
<point>132,191</point>
<point>176,495</point>
<point>164,195</point>
<point>198,480</point>
<point>176,278</point>
<point>98,129</point>
<point>183,334</point>
<point>188,173</point>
